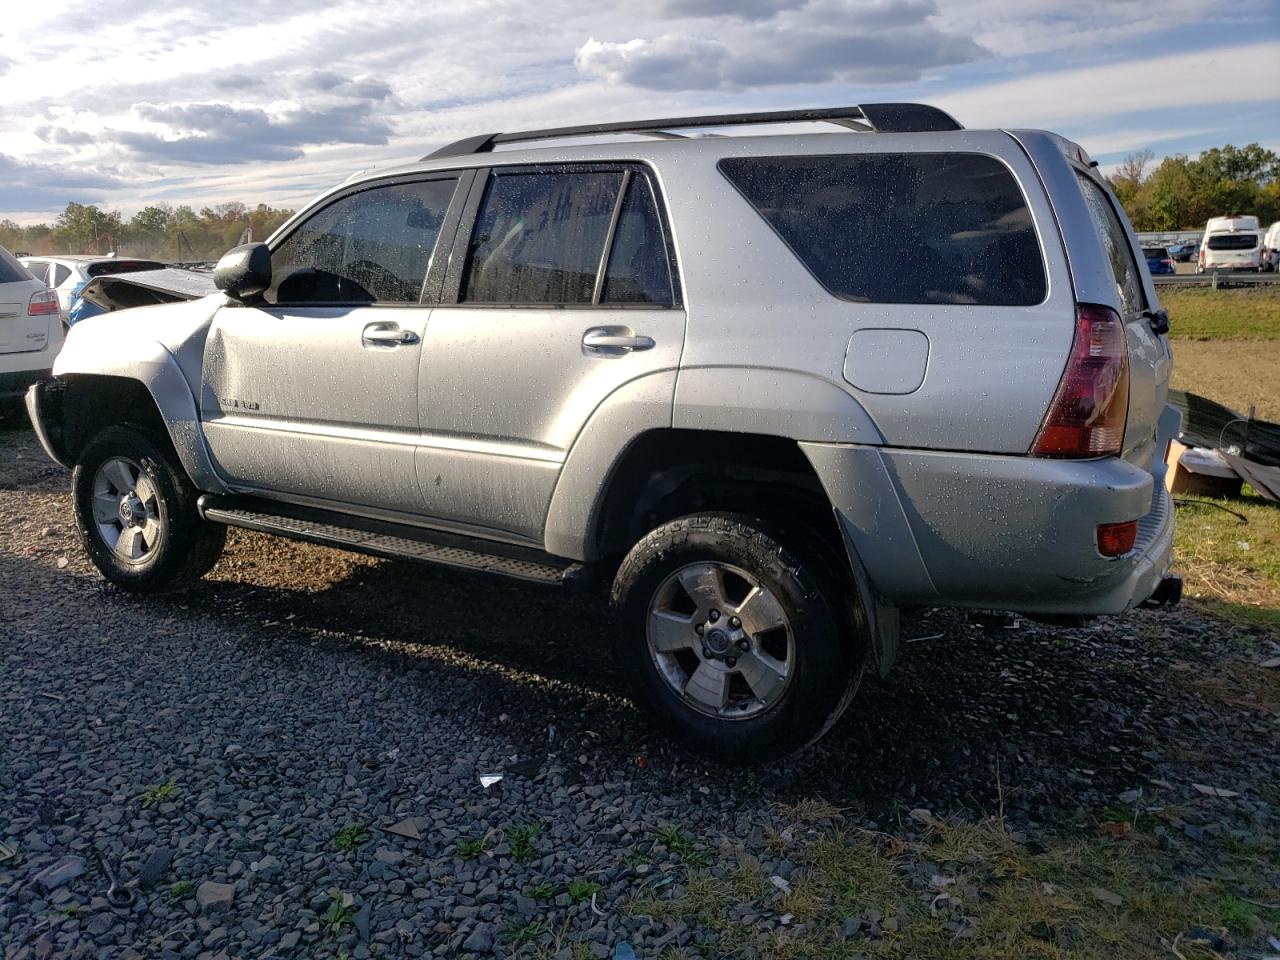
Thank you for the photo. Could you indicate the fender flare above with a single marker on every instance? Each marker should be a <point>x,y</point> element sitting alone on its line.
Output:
<point>152,365</point>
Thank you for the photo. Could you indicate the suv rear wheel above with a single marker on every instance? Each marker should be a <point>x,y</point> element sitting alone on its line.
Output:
<point>734,639</point>
<point>136,512</point>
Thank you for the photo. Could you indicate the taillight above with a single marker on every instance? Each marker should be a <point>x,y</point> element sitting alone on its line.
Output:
<point>1167,262</point>
<point>1117,539</point>
<point>1088,413</point>
<point>43,303</point>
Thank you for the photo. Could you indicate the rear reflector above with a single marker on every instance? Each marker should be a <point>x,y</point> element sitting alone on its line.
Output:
<point>1088,413</point>
<point>1117,539</point>
<point>43,303</point>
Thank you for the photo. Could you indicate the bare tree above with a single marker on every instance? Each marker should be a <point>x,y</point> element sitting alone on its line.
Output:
<point>1134,166</point>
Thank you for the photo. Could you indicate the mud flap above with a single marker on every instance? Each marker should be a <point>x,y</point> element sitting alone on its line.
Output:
<point>881,620</point>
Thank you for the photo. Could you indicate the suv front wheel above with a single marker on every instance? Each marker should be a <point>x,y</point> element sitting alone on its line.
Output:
<point>736,641</point>
<point>136,512</point>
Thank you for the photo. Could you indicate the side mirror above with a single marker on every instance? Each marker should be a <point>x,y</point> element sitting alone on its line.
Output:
<point>244,271</point>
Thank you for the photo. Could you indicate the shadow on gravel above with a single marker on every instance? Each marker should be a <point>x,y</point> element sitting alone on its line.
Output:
<point>1034,717</point>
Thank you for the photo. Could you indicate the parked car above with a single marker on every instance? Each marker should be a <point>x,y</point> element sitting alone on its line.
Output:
<point>1270,256</point>
<point>1231,243</point>
<point>765,390</point>
<point>30,333</point>
<point>68,275</point>
<point>1184,252</point>
<point>1158,260</point>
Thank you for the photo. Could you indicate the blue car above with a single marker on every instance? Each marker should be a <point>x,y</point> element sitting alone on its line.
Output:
<point>1158,260</point>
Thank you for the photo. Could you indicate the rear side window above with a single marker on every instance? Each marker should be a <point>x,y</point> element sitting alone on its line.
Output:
<point>1233,241</point>
<point>539,237</point>
<point>371,246</point>
<point>1116,243</point>
<point>60,274</point>
<point>901,228</point>
<point>638,269</point>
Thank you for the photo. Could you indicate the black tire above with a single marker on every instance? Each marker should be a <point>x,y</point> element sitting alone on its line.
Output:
<point>828,655</point>
<point>187,546</point>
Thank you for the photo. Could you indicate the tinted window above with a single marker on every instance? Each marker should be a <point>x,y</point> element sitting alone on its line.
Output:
<point>539,237</point>
<point>638,270</point>
<point>1155,253</point>
<point>1233,241</point>
<point>37,268</point>
<point>369,246</point>
<point>110,267</point>
<point>1116,243</point>
<point>60,274</point>
<point>901,228</point>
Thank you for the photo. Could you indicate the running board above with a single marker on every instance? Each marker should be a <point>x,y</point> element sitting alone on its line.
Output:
<point>393,540</point>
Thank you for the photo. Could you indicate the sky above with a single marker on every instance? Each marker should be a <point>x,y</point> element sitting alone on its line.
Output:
<point>129,104</point>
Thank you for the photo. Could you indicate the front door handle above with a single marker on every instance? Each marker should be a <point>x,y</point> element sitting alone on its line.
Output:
<point>612,341</point>
<point>383,334</point>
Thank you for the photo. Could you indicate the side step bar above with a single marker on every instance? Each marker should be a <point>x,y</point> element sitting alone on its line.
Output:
<point>383,539</point>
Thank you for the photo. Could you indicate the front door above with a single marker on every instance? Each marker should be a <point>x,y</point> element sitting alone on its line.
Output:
<point>565,292</point>
<point>312,394</point>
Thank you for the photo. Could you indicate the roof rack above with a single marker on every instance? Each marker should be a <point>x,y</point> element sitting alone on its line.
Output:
<point>868,118</point>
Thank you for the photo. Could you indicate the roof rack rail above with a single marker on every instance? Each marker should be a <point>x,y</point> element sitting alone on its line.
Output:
<point>868,118</point>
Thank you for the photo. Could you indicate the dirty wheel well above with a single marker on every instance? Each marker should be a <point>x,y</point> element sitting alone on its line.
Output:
<point>90,403</point>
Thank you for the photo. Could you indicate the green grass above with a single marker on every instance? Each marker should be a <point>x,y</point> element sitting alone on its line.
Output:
<point>181,889</point>
<point>682,845</point>
<point>531,932</point>
<point>158,793</point>
<point>520,837</point>
<point>1232,568</point>
<point>471,848</point>
<point>350,837</point>
<point>581,891</point>
<point>338,917</point>
<point>1199,313</point>
<point>541,892</point>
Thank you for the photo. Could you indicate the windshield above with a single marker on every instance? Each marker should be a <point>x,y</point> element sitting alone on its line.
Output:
<point>1233,241</point>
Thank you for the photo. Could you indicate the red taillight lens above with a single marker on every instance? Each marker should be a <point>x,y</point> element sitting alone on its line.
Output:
<point>1167,262</point>
<point>1117,539</point>
<point>1088,413</point>
<point>42,304</point>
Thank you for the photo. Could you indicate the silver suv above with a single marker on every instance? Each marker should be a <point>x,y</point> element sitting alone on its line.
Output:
<point>767,389</point>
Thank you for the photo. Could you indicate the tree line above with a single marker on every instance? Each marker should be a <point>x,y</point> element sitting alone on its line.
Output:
<point>160,231</point>
<point>1178,193</point>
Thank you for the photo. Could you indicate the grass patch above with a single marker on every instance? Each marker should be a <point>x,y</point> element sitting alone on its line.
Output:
<point>520,837</point>
<point>542,892</point>
<point>181,889</point>
<point>158,793</point>
<point>531,932</point>
<point>1233,568</point>
<point>580,891</point>
<point>471,848</point>
<point>1200,313</point>
<point>971,890</point>
<point>350,837</point>
<point>339,916</point>
<point>682,845</point>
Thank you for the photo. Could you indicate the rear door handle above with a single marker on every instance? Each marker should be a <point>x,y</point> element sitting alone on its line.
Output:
<point>385,334</point>
<point>603,340</point>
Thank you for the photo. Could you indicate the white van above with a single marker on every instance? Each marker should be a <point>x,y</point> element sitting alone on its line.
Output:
<point>1271,247</point>
<point>1232,242</point>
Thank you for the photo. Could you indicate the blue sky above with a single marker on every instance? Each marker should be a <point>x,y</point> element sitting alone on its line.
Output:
<point>167,100</point>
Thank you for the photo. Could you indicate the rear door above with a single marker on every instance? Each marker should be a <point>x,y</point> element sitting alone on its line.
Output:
<point>561,290</point>
<point>313,395</point>
<point>1149,356</point>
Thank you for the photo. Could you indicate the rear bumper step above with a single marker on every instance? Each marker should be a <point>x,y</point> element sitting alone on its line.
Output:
<point>387,540</point>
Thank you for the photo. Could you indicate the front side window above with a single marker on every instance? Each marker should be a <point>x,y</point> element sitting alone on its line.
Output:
<point>368,247</point>
<point>901,227</point>
<point>1116,244</point>
<point>539,237</point>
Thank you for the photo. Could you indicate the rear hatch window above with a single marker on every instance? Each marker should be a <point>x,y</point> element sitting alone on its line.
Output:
<point>1233,241</point>
<point>901,227</point>
<point>1155,253</point>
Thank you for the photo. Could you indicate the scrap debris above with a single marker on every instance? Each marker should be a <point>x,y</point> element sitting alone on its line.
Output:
<point>1218,450</point>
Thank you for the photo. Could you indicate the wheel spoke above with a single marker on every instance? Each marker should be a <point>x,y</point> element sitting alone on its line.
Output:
<point>151,533</point>
<point>106,507</point>
<point>118,473</point>
<point>145,488</point>
<point>130,545</point>
<point>764,675</point>
<point>669,632</point>
<point>704,584</point>
<point>761,612</point>
<point>709,685</point>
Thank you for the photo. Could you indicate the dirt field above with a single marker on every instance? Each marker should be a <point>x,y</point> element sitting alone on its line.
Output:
<point>1234,372</point>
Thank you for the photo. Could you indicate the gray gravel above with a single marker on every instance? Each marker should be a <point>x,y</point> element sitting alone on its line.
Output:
<point>299,691</point>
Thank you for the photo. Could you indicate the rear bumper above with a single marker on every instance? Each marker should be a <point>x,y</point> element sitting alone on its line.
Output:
<point>997,532</point>
<point>14,384</point>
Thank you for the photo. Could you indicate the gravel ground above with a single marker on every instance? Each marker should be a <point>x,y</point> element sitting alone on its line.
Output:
<point>228,735</point>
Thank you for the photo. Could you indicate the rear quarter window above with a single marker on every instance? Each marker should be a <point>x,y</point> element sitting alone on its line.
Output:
<point>901,227</point>
<point>1116,244</point>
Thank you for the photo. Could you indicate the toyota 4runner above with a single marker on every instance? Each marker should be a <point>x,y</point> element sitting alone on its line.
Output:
<point>767,389</point>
